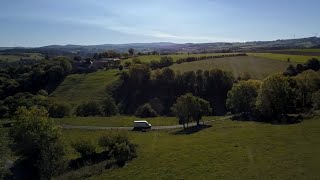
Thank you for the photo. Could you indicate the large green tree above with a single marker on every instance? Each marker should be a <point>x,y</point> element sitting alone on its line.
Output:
<point>242,96</point>
<point>189,107</point>
<point>276,96</point>
<point>38,140</point>
<point>308,83</point>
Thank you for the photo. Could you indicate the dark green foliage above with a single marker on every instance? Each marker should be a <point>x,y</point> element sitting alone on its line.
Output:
<point>84,148</point>
<point>313,64</point>
<point>145,111</point>
<point>59,110</point>
<point>120,67</point>
<point>3,110</point>
<point>165,85</point>
<point>4,152</point>
<point>64,63</point>
<point>38,140</point>
<point>316,100</point>
<point>11,103</point>
<point>32,76</point>
<point>139,73</point>
<point>42,92</point>
<point>89,109</point>
<point>131,51</point>
<point>119,147</point>
<point>164,62</point>
<point>109,107</point>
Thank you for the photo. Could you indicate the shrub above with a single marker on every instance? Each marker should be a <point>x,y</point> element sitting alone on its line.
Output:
<point>59,110</point>
<point>84,148</point>
<point>120,67</point>
<point>119,147</point>
<point>89,109</point>
<point>42,92</point>
<point>146,111</point>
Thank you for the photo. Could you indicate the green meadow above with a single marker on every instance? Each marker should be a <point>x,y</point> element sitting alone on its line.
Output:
<point>226,150</point>
<point>256,67</point>
<point>80,88</point>
<point>284,57</point>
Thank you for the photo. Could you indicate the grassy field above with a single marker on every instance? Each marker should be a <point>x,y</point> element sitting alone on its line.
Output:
<point>148,58</point>
<point>117,121</point>
<point>79,88</point>
<point>284,57</point>
<point>227,150</point>
<point>17,57</point>
<point>258,68</point>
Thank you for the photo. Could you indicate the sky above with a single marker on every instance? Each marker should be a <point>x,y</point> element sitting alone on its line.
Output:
<point>33,23</point>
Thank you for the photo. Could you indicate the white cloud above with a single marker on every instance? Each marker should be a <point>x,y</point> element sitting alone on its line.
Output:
<point>115,25</point>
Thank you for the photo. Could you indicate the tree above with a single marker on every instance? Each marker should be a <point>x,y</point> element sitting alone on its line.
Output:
<point>4,151</point>
<point>189,107</point>
<point>131,51</point>
<point>38,139</point>
<point>202,109</point>
<point>139,73</point>
<point>242,96</point>
<point>276,96</point>
<point>109,107</point>
<point>65,64</point>
<point>313,64</point>
<point>308,82</point>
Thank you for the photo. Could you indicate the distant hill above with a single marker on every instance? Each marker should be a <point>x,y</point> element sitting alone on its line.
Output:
<point>167,47</point>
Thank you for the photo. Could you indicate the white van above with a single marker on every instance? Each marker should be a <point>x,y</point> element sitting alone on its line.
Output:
<point>141,125</point>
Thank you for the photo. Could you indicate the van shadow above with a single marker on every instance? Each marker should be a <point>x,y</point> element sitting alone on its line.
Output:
<point>191,130</point>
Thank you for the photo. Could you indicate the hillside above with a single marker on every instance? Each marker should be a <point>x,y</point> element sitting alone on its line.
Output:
<point>256,67</point>
<point>168,47</point>
<point>79,88</point>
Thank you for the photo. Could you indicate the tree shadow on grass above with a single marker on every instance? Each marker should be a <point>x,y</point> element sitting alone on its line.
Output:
<point>191,130</point>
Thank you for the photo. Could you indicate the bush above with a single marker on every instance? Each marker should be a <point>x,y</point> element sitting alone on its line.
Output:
<point>42,92</point>
<point>109,107</point>
<point>89,109</point>
<point>59,110</point>
<point>119,147</point>
<point>146,111</point>
<point>84,148</point>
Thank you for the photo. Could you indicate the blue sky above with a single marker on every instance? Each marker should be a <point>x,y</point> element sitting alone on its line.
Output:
<point>87,22</point>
